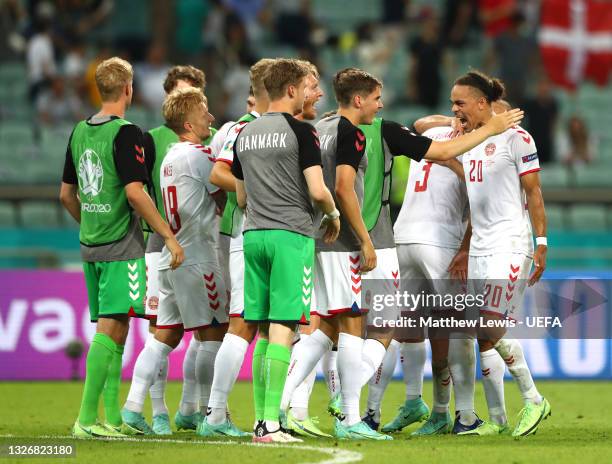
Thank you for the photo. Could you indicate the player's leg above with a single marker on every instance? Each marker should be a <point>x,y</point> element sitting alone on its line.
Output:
<point>231,353</point>
<point>378,384</point>
<point>301,395</point>
<point>511,284</point>
<point>167,336</point>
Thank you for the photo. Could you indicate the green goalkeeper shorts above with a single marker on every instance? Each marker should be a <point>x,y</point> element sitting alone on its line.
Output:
<point>115,288</point>
<point>278,275</point>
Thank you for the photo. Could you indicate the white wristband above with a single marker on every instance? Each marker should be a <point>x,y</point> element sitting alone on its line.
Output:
<point>541,241</point>
<point>335,214</point>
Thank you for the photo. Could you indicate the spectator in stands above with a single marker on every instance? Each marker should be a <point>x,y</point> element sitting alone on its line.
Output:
<point>294,24</point>
<point>375,47</point>
<point>40,54</point>
<point>190,17</point>
<point>579,147</point>
<point>496,15</point>
<point>93,96</point>
<point>541,112</point>
<point>150,75</point>
<point>81,17</point>
<point>58,104</point>
<point>459,17</point>
<point>426,54</point>
<point>515,55</point>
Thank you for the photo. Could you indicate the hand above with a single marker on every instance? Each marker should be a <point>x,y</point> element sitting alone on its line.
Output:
<point>176,251</point>
<point>457,127</point>
<point>501,122</point>
<point>332,229</point>
<point>539,261</point>
<point>458,267</point>
<point>368,257</point>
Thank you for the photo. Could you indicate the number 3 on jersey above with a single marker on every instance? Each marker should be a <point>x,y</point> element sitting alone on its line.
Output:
<point>171,208</point>
<point>475,170</point>
<point>421,186</point>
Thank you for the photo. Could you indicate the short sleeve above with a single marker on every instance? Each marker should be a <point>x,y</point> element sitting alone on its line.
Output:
<point>201,165</point>
<point>403,142</point>
<point>351,144</point>
<point>226,155</point>
<point>129,155</point>
<point>149,149</point>
<point>70,175</point>
<point>309,147</point>
<point>524,152</point>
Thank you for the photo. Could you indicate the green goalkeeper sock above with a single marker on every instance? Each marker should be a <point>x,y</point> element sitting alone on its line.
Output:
<point>99,359</point>
<point>277,364</point>
<point>259,380</point>
<point>111,389</point>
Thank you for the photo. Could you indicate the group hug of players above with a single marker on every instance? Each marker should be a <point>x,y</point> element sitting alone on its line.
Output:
<point>269,226</point>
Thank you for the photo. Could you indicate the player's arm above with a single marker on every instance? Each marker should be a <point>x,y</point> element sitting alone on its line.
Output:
<point>459,145</point>
<point>458,266</point>
<point>69,188</point>
<point>236,171</point>
<point>221,174</point>
<point>132,171</point>
<point>428,122</point>
<point>349,155</point>
<point>535,204</point>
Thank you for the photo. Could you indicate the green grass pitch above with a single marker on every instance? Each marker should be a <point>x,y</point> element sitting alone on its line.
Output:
<point>578,431</point>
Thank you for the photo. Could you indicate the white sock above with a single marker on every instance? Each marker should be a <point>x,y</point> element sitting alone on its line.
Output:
<point>462,365</point>
<point>330,371</point>
<point>227,367</point>
<point>380,380</point>
<point>493,369</point>
<point>350,370</point>
<point>304,358</point>
<point>372,355</point>
<point>205,369</point>
<point>145,370</point>
<point>512,353</point>
<point>189,397</point>
<point>441,388</point>
<point>301,396</point>
<point>158,389</point>
<point>414,356</point>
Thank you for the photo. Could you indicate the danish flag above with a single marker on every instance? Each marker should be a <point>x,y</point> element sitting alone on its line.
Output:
<point>576,40</point>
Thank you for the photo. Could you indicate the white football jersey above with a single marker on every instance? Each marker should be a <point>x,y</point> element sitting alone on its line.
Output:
<point>435,208</point>
<point>500,220</point>
<point>216,144</point>
<point>189,206</point>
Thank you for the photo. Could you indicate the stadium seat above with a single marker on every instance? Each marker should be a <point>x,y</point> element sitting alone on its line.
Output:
<point>588,217</point>
<point>556,217</point>
<point>36,214</point>
<point>7,215</point>
<point>554,175</point>
<point>595,175</point>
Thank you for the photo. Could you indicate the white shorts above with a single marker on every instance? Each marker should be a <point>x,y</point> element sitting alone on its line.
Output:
<point>192,297</point>
<point>223,258</point>
<point>501,278</point>
<point>337,283</point>
<point>152,296</point>
<point>236,266</point>
<point>427,263</point>
<point>388,280</point>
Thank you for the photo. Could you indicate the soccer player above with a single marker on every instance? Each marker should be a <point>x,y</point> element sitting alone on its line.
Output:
<point>157,142</point>
<point>240,333</point>
<point>505,198</point>
<point>103,189</point>
<point>192,297</point>
<point>436,199</point>
<point>277,165</point>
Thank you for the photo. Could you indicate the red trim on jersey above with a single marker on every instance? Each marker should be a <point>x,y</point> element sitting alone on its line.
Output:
<point>314,313</point>
<point>236,315</point>
<point>333,312</point>
<point>223,160</point>
<point>529,172</point>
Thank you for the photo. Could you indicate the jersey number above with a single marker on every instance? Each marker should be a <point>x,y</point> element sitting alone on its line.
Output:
<point>475,171</point>
<point>421,186</point>
<point>171,208</point>
<point>495,298</point>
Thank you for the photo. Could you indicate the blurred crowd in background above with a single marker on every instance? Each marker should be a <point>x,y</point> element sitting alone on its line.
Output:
<point>553,55</point>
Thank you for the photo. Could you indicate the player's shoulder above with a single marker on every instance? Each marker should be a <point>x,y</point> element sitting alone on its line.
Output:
<point>439,133</point>
<point>518,134</point>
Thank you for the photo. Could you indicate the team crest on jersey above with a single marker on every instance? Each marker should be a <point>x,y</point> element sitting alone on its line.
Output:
<point>490,149</point>
<point>153,302</point>
<point>91,173</point>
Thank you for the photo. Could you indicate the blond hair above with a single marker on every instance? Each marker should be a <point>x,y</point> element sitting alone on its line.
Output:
<point>112,76</point>
<point>313,69</point>
<point>256,74</point>
<point>281,74</point>
<point>349,82</point>
<point>195,76</point>
<point>179,105</point>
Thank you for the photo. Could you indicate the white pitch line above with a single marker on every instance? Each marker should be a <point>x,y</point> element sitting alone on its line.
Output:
<point>337,455</point>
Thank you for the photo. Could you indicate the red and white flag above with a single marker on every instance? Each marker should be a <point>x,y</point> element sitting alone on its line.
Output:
<point>576,40</point>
